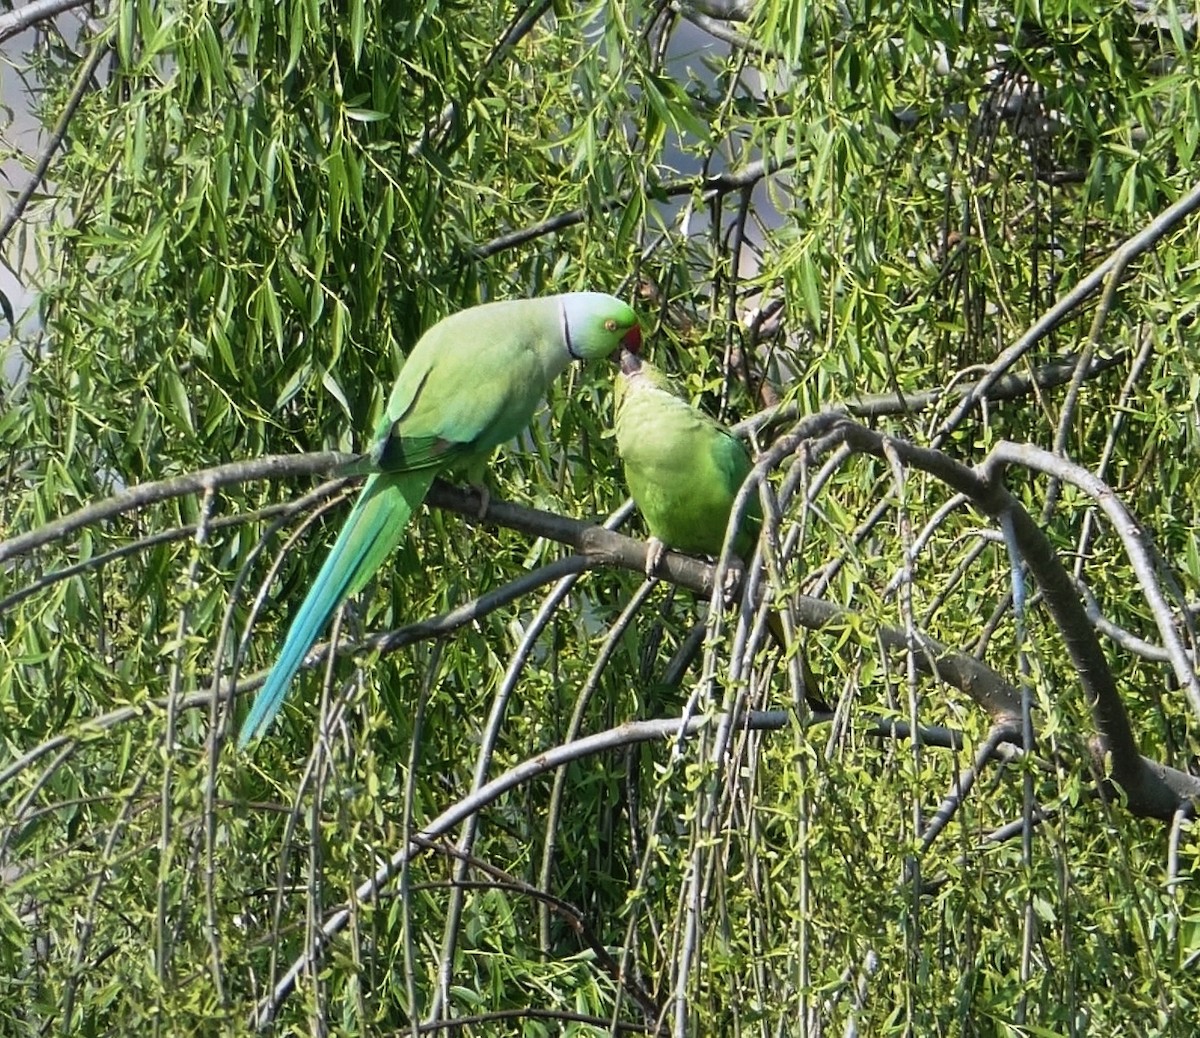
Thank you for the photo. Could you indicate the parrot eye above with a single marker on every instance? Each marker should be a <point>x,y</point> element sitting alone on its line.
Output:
<point>610,325</point>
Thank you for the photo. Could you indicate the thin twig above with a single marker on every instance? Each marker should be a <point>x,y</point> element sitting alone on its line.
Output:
<point>708,186</point>
<point>624,735</point>
<point>1133,537</point>
<point>86,71</point>
<point>1119,259</point>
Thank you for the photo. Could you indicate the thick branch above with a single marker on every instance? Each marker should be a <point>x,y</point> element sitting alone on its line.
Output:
<point>272,466</point>
<point>607,548</point>
<point>1147,792</point>
<point>23,17</point>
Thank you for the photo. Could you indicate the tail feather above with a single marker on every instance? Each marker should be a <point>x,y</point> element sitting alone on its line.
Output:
<point>373,528</point>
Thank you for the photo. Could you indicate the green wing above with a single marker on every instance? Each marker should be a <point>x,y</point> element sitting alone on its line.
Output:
<point>473,383</point>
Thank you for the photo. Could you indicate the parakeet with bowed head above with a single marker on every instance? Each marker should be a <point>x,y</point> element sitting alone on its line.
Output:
<point>684,469</point>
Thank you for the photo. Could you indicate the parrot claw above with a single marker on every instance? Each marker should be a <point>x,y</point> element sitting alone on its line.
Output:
<point>733,580</point>
<point>654,553</point>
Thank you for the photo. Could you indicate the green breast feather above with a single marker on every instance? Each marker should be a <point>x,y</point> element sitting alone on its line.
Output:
<point>684,470</point>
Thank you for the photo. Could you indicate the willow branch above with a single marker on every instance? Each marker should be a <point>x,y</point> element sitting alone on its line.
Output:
<point>709,187</point>
<point>16,21</point>
<point>629,734</point>
<point>281,466</point>
<point>1132,536</point>
<point>271,466</point>
<point>1010,386</point>
<point>1119,260</point>
<point>1147,792</point>
<point>86,71</point>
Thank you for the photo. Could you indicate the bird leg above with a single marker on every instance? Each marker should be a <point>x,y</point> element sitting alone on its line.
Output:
<point>655,549</point>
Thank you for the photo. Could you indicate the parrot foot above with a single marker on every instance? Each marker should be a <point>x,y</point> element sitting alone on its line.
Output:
<point>733,580</point>
<point>655,550</point>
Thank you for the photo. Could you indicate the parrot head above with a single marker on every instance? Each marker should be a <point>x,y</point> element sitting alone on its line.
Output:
<point>629,361</point>
<point>595,324</point>
<point>635,369</point>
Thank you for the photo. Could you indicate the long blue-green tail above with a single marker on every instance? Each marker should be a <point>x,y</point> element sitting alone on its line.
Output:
<point>373,528</point>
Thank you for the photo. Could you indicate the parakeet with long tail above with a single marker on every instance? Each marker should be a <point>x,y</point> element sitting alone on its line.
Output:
<point>684,471</point>
<point>471,383</point>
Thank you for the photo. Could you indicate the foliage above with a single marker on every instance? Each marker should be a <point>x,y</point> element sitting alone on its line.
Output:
<point>256,210</point>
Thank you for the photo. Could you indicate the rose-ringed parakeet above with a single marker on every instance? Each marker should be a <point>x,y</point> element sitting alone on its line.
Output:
<point>684,471</point>
<point>471,383</point>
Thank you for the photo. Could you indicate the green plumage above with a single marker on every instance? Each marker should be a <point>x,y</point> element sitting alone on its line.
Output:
<point>684,470</point>
<point>471,383</point>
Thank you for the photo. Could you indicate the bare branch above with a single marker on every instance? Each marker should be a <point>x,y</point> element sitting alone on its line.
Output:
<point>709,186</point>
<point>22,18</point>
<point>1132,536</point>
<point>716,28</point>
<point>86,70</point>
<point>271,466</point>
<point>1011,386</point>
<point>628,734</point>
<point>1119,259</point>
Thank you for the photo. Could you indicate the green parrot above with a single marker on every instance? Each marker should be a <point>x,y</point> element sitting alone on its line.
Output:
<point>684,471</point>
<point>471,383</point>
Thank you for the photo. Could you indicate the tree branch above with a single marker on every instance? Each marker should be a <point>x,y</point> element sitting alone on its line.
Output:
<point>1147,792</point>
<point>1118,260</point>
<point>709,186</point>
<point>86,70</point>
<point>1010,386</point>
<point>22,18</point>
<point>629,734</point>
<point>1131,535</point>
<point>271,466</point>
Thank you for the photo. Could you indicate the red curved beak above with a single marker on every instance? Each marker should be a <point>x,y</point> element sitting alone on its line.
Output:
<point>633,339</point>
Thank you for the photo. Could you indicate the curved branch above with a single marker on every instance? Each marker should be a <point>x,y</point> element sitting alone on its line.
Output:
<point>1117,261</point>
<point>718,30</point>
<point>1131,536</point>
<point>271,466</point>
<point>1010,386</point>
<point>629,734</point>
<point>22,18</point>
<point>1147,792</point>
